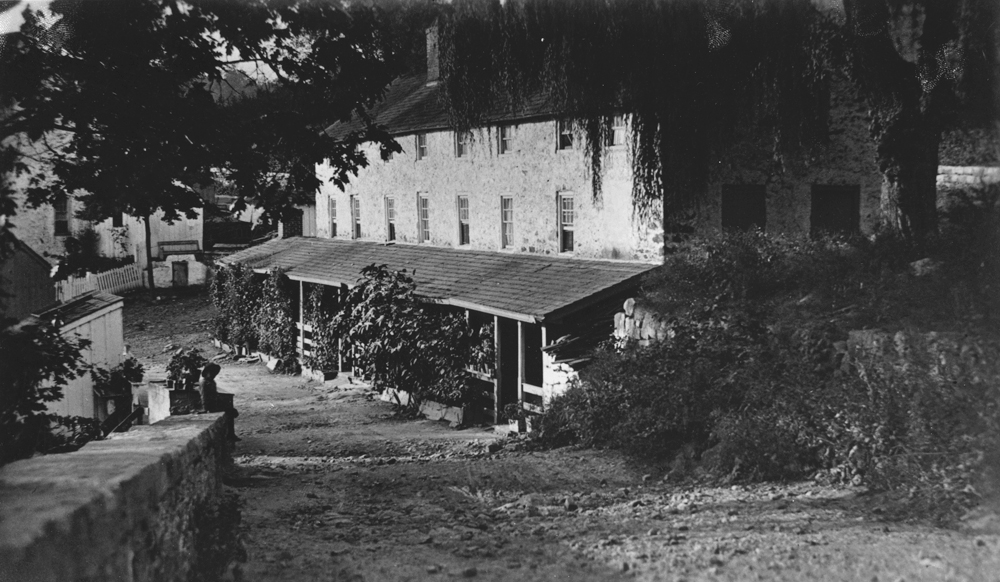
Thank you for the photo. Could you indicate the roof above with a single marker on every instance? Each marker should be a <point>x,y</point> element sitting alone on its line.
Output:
<point>411,106</point>
<point>78,308</point>
<point>32,254</point>
<point>532,288</point>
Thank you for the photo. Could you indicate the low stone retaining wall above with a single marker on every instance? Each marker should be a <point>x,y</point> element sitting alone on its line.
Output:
<point>121,509</point>
<point>637,323</point>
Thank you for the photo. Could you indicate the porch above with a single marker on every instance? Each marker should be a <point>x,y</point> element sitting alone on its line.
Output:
<point>530,301</point>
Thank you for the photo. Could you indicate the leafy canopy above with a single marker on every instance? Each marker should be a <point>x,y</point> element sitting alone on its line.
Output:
<point>124,100</point>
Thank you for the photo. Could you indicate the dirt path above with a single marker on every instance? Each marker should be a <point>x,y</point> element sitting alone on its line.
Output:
<point>336,487</point>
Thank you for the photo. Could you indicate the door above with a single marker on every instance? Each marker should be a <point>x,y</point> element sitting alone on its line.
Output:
<point>180,274</point>
<point>507,343</point>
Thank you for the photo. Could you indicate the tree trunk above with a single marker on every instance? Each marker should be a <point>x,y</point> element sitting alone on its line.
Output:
<point>907,150</point>
<point>149,253</point>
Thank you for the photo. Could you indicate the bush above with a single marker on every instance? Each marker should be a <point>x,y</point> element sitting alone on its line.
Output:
<point>275,321</point>
<point>402,342</point>
<point>184,367</point>
<point>37,361</point>
<point>236,293</point>
<point>321,308</point>
<point>751,381</point>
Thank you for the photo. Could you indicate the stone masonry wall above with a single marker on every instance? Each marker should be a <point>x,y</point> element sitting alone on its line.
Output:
<point>121,509</point>
<point>637,323</point>
<point>847,159</point>
<point>533,174</point>
<point>955,176</point>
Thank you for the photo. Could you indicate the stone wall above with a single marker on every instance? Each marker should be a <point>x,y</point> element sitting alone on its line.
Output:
<point>533,175</point>
<point>637,323</point>
<point>846,159</point>
<point>121,509</point>
<point>958,176</point>
<point>944,356</point>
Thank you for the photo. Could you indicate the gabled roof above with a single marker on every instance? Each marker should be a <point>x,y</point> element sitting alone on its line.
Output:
<point>411,106</point>
<point>532,288</point>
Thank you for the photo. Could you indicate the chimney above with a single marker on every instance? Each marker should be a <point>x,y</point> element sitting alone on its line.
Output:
<point>433,70</point>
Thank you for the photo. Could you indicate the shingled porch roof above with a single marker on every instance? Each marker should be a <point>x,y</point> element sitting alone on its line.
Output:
<point>531,288</point>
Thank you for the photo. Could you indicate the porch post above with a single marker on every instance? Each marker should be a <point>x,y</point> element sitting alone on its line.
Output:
<point>302,322</point>
<point>520,363</point>
<point>496,370</point>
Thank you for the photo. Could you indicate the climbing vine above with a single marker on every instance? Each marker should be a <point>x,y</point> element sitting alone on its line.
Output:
<point>275,320</point>
<point>321,308</point>
<point>236,293</point>
<point>401,341</point>
<point>688,73</point>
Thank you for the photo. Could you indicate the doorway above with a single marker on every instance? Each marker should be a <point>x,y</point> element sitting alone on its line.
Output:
<point>507,356</point>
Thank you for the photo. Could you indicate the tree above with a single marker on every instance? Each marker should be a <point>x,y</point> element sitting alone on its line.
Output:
<point>922,66</point>
<point>141,123</point>
<point>692,73</point>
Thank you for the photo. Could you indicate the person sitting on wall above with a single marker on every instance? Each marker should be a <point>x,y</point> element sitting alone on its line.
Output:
<point>212,401</point>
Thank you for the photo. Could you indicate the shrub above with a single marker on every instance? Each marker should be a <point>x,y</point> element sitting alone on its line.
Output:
<point>752,382</point>
<point>236,292</point>
<point>185,366</point>
<point>275,321</point>
<point>403,342</point>
<point>37,361</point>
<point>321,308</point>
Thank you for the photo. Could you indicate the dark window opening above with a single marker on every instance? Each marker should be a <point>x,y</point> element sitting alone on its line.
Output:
<point>565,135</point>
<point>390,218</point>
<point>835,210</point>
<point>356,212</point>
<point>532,354</point>
<point>118,220</point>
<point>333,216</point>
<point>61,206</point>
<point>463,220</point>
<point>567,222</point>
<point>744,207</point>
<point>506,222</point>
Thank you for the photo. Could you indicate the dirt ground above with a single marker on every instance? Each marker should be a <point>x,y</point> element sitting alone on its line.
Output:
<point>336,486</point>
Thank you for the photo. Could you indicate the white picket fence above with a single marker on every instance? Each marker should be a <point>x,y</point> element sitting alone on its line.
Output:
<point>113,281</point>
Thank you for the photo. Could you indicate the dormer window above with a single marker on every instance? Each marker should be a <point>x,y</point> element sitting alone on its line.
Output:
<point>421,146</point>
<point>564,128</point>
<point>461,144</point>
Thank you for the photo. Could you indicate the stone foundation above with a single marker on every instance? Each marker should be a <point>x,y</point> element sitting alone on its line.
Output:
<point>121,509</point>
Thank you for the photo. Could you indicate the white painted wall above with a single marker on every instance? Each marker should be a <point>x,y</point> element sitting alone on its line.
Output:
<point>105,332</point>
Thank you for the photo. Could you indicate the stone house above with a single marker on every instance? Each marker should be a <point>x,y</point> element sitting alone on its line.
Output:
<point>46,227</point>
<point>502,222</point>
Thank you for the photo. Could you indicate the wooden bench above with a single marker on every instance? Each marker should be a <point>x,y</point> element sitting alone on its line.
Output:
<point>179,247</point>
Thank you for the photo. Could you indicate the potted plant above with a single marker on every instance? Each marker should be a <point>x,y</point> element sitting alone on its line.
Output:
<point>516,416</point>
<point>184,368</point>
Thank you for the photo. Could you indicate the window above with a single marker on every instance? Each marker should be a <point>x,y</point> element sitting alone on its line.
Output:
<point>744,207</point>
<point>118,220</point>
<point>421,146</point>
<point>506,222</point>
<point>61,207</point>
<point>423,218</point>
<point>567,220</point>
<point>565,128</point>
<point>461,144</point>
<point>463,220</point>
<point>390,219</point>
<point>356,216</point>
<point>505,145</point>
<point>617,135</point>
<point>333,216</point>
<point>835,210</point>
